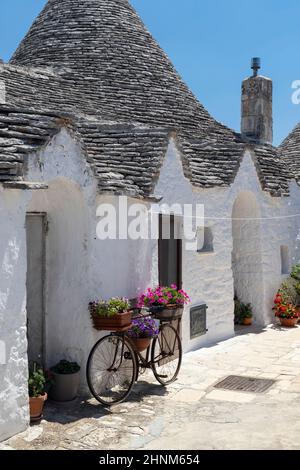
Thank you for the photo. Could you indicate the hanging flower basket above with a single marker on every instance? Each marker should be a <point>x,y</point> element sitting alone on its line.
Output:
<point>142,330</point>
<point>106,315</point>
<point>141,344</point>
<point>165,303</point>
<point>169,312</point>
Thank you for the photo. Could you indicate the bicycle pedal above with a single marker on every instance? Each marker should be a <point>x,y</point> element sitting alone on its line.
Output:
<point>162,376</point>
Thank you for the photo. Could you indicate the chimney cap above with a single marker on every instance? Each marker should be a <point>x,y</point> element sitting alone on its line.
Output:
<point>255,65</point>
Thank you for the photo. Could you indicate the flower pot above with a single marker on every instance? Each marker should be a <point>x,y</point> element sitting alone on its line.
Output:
<point>247,321</point>
<point>65,386</point>
<point>141,344</point>
<point>119,322</point>
<point>169,313</point>
<point>36,405</point>
<point>288,322</point>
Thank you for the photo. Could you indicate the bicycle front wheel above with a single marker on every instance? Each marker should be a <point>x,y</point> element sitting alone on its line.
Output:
<point>111,370</point>
<point>166,355</point>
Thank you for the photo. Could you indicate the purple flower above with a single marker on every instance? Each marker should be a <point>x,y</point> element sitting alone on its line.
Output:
<point>144,327</point>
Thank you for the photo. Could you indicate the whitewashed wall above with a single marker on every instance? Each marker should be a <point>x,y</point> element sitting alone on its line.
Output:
<point>247,264</point>
<point>209,277</point>
<point>79,267</point>
<point>13,360</point>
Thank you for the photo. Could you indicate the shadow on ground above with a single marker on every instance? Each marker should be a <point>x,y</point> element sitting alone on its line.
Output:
<point>71,412</point>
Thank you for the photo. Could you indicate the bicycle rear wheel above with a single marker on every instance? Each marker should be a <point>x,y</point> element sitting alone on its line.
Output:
<point>111,370</point>
<point>166,355</point>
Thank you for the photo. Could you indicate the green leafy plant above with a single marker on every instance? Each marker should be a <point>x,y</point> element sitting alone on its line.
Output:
<point>295,274</point>
<point>36,382</point>
<point>289,291</point>
<point>242,311</point>
<point>110,308</point>
<point>65,367</point>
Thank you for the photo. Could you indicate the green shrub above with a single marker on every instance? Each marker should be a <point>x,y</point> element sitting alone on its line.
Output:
<point>36,382</point>
<point>295,274</point>
<point>65,367</point>
<point>242,310</point>
<point>289,291</point>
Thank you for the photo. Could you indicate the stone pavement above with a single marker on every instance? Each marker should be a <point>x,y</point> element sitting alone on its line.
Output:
<point>191,413</point>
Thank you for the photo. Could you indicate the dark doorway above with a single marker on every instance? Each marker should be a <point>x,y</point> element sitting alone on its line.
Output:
<point>35,284</point>
<point>169,252</point>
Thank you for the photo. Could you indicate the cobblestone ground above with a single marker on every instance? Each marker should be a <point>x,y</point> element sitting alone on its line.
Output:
<point>191,413</point>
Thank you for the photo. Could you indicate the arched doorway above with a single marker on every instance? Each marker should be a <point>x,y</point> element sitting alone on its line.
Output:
<point>246,253</point>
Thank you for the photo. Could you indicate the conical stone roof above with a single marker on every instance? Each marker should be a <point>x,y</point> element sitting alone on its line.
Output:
<point>110,54</point>
<point>95,60</point>
<point>290,152</point>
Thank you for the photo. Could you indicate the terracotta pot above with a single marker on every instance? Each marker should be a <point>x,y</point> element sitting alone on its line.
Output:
<point>247,321</point>
<point>141,344</point>
<point>65,386</point>
<point>289,322</point>
<point>119,322</point>
<point>36,405</point>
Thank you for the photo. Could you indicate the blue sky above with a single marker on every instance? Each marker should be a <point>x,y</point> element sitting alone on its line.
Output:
<point>211,43</point>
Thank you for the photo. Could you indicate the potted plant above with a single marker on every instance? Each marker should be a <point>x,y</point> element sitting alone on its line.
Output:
<point>284,310</point>
<point>165,302</point>
<point>142,330</point>
<point>65,381</point>
<point>37,394</point>
<point>295,280</point>
<point>112,315</point>
<point>243,312</point>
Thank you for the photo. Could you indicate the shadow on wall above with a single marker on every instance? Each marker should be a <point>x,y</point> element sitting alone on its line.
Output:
<point>67,326</point>
<point>13,369</point>
<point>246,253</point>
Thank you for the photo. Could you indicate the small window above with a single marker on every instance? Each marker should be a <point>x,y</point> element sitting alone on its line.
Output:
<point>205,240</point>
<point>285,259</point>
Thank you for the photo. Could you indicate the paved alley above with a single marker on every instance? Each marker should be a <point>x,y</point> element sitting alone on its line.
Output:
<point>191,413</point>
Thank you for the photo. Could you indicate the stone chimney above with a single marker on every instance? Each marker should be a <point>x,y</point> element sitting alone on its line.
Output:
<point>257,115</point>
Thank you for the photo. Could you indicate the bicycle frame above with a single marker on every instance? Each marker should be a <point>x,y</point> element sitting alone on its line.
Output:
<point>144,362</point>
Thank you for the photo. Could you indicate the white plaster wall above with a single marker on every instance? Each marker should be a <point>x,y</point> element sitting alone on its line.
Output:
<point>80,267</point>
<point>247,252</point>
<point>13,365</point>
<point>68,203</point>
<point>208,277</point>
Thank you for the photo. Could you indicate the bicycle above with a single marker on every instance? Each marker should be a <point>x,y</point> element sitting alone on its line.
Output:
<point>114,363</point>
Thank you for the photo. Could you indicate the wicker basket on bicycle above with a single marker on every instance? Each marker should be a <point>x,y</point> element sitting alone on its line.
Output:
<point>167,313</point>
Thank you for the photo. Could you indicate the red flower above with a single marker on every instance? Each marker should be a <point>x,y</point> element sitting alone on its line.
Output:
<point>283,308</point>
<point>278,299</point>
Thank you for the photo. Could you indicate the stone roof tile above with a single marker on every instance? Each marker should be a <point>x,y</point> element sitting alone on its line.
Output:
<point>290,152</point>
<point>96,60</point>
